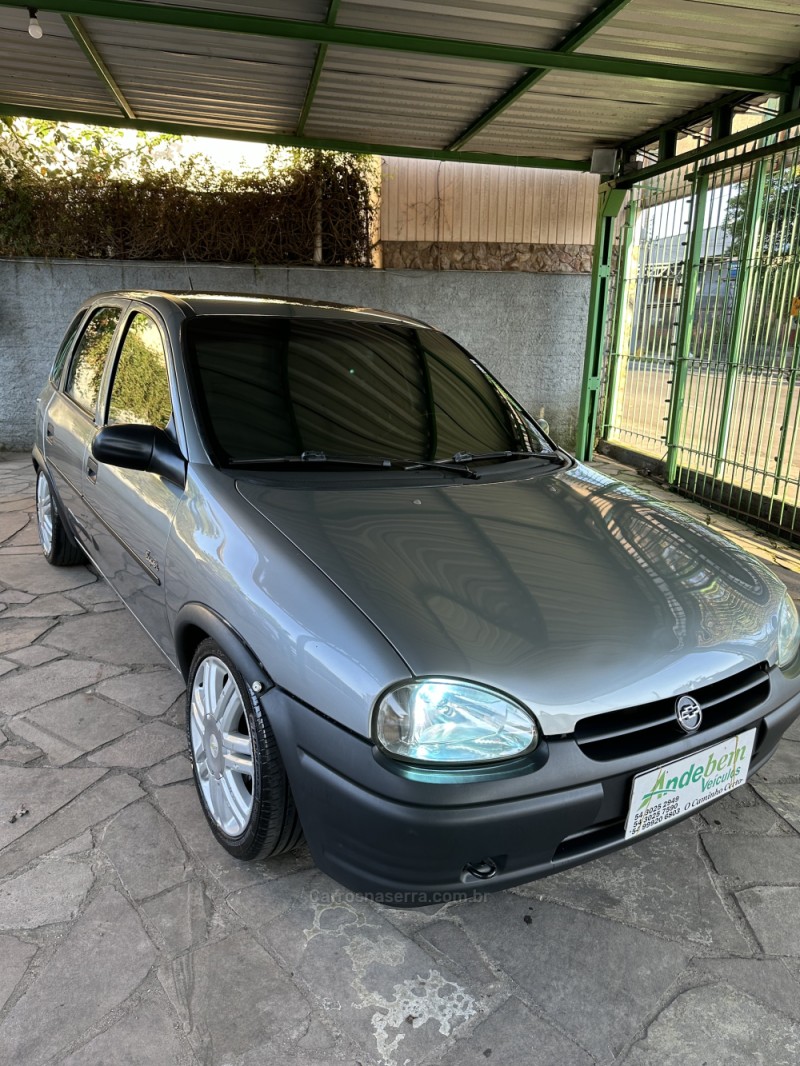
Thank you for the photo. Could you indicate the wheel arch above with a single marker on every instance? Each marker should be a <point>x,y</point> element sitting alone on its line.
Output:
<point>196,622</point>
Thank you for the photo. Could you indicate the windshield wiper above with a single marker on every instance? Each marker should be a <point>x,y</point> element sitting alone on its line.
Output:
<point>473,457</point>
<point>355,460</point>
<point>314,457</point>
<point>456,467</point>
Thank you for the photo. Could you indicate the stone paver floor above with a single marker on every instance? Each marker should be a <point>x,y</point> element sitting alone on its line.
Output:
<point>128,936</point>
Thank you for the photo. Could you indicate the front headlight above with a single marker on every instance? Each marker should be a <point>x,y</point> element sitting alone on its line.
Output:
<point>788,631</point>
<point>436,721</point>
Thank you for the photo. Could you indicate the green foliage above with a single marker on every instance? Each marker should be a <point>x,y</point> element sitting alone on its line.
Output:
<point>36,149</point>
<point>86,192</point>
<point>140,392</point>
<point>90,359</point>
<point>780,214</point>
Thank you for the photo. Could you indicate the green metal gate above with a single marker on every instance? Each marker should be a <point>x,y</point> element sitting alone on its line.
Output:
<point>704,343</point>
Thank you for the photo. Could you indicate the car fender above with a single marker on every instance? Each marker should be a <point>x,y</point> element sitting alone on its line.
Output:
<point>194,622</point>
<point>307,636</point>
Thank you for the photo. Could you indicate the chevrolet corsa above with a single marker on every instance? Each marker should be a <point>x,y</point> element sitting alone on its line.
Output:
<point>407,621</point>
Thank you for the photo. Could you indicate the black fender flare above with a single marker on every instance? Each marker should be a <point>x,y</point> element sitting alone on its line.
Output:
<point>196,620</point>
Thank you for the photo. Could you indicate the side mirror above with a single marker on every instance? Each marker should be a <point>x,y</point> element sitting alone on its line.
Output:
<point>138,447</point>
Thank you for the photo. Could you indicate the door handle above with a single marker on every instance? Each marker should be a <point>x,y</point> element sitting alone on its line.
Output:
<point>91,469</point>
<point>50,431</point>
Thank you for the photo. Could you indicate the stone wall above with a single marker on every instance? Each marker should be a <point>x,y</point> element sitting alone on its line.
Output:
<point>527,328</point>
<point>488,255</point>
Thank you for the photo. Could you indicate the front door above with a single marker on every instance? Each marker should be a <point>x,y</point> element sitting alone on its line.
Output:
<point>132,509</point>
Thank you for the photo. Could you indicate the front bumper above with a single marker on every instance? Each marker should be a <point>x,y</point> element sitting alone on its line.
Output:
<point>408,838</point>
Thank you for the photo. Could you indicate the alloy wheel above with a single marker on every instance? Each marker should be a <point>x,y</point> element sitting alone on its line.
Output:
<point>222,746</point>
<point>44,512</point>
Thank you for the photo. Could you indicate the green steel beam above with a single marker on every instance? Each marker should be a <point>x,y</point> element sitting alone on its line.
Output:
<point>609,205</point>
<point>319,63</point>
<point>691,271</point>
<point>721,122</point>
<point>78,31</point>
<point>729,101</point>
<point>751,232</point>
<point>352,37</point>
<point>601,15</point>
<point>749,157</point>
<point>186,129</point>
<point>765,129</point>
<point>791,100</point>
<point>667,145</point>
<point>685,121</point>
<point>620,344</point>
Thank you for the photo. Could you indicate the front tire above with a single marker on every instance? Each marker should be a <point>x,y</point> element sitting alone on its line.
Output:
<point>58,545</point>
<point>238,770</point>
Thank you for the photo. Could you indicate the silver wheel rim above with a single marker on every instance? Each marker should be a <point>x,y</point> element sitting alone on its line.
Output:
<point>44,513</point>
<point>222,746</point>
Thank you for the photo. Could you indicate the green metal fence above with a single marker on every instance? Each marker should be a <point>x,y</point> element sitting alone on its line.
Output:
<point>704,343</point>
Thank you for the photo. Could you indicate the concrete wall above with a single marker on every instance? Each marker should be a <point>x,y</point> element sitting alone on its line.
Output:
<point>528,329</point>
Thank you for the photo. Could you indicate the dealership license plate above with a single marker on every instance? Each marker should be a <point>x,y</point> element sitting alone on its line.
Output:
<point>676,789</point>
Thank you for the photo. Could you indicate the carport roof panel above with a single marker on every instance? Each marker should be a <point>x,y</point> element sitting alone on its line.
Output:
<point>538,23</point>
<point>422,100</point>
<point>185,76</point>
<point>337,76</point>
<point>605,111</point>
<point>725,34</point>
<point>22,82</point>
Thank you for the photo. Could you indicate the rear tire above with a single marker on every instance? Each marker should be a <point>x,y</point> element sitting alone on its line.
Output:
<point>238,771</point>
<point>58,545</point>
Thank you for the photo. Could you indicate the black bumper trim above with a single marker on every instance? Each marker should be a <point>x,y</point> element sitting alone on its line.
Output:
<point>405,843</point>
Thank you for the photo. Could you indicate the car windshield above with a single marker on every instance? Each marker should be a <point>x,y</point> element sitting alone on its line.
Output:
<point>273,388</point>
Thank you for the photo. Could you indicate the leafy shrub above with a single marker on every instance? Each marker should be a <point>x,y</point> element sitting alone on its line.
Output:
<point>91,198</point>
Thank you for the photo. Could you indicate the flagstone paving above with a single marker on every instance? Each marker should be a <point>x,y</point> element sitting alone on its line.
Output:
<point>128,936</point>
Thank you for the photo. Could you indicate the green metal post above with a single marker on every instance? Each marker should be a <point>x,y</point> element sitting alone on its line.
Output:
<point>691,271</point>
<point>741,302</point>
<point>609,204</point>
<point>721,122</point>
<point>667,145</point>
<point>620,344</point>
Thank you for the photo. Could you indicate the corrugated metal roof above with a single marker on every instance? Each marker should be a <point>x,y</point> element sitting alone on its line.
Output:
<point>538,23</point>
<point>710,33</point>
<point>367,94</point>
<point>198,76</point>
<point>583,107</point>
<point>23,61</point>
<point>420,99</point>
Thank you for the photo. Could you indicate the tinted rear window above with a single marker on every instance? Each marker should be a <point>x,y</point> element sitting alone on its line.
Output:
<point>273,387</point>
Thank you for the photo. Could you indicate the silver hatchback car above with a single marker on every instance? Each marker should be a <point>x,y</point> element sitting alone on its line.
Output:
<point>407,621</point>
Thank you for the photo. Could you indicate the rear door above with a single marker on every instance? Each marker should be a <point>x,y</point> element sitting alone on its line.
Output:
<point>131,510</point>
<point>70,416</point>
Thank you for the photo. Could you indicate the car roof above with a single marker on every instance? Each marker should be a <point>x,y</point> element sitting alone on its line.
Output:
<point>193,304</point>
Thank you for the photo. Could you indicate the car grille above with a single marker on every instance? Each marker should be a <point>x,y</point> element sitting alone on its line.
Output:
<point>636,730</point>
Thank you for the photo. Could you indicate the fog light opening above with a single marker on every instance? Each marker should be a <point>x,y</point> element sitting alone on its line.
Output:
<point>483,869</point>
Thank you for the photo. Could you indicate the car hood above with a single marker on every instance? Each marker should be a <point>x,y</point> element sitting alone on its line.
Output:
<point>565,589</point>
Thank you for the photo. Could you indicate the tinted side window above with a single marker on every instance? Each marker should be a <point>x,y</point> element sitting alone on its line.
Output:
<point>66,347</point>
<point>140,392</point>
<point>86,369</point>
